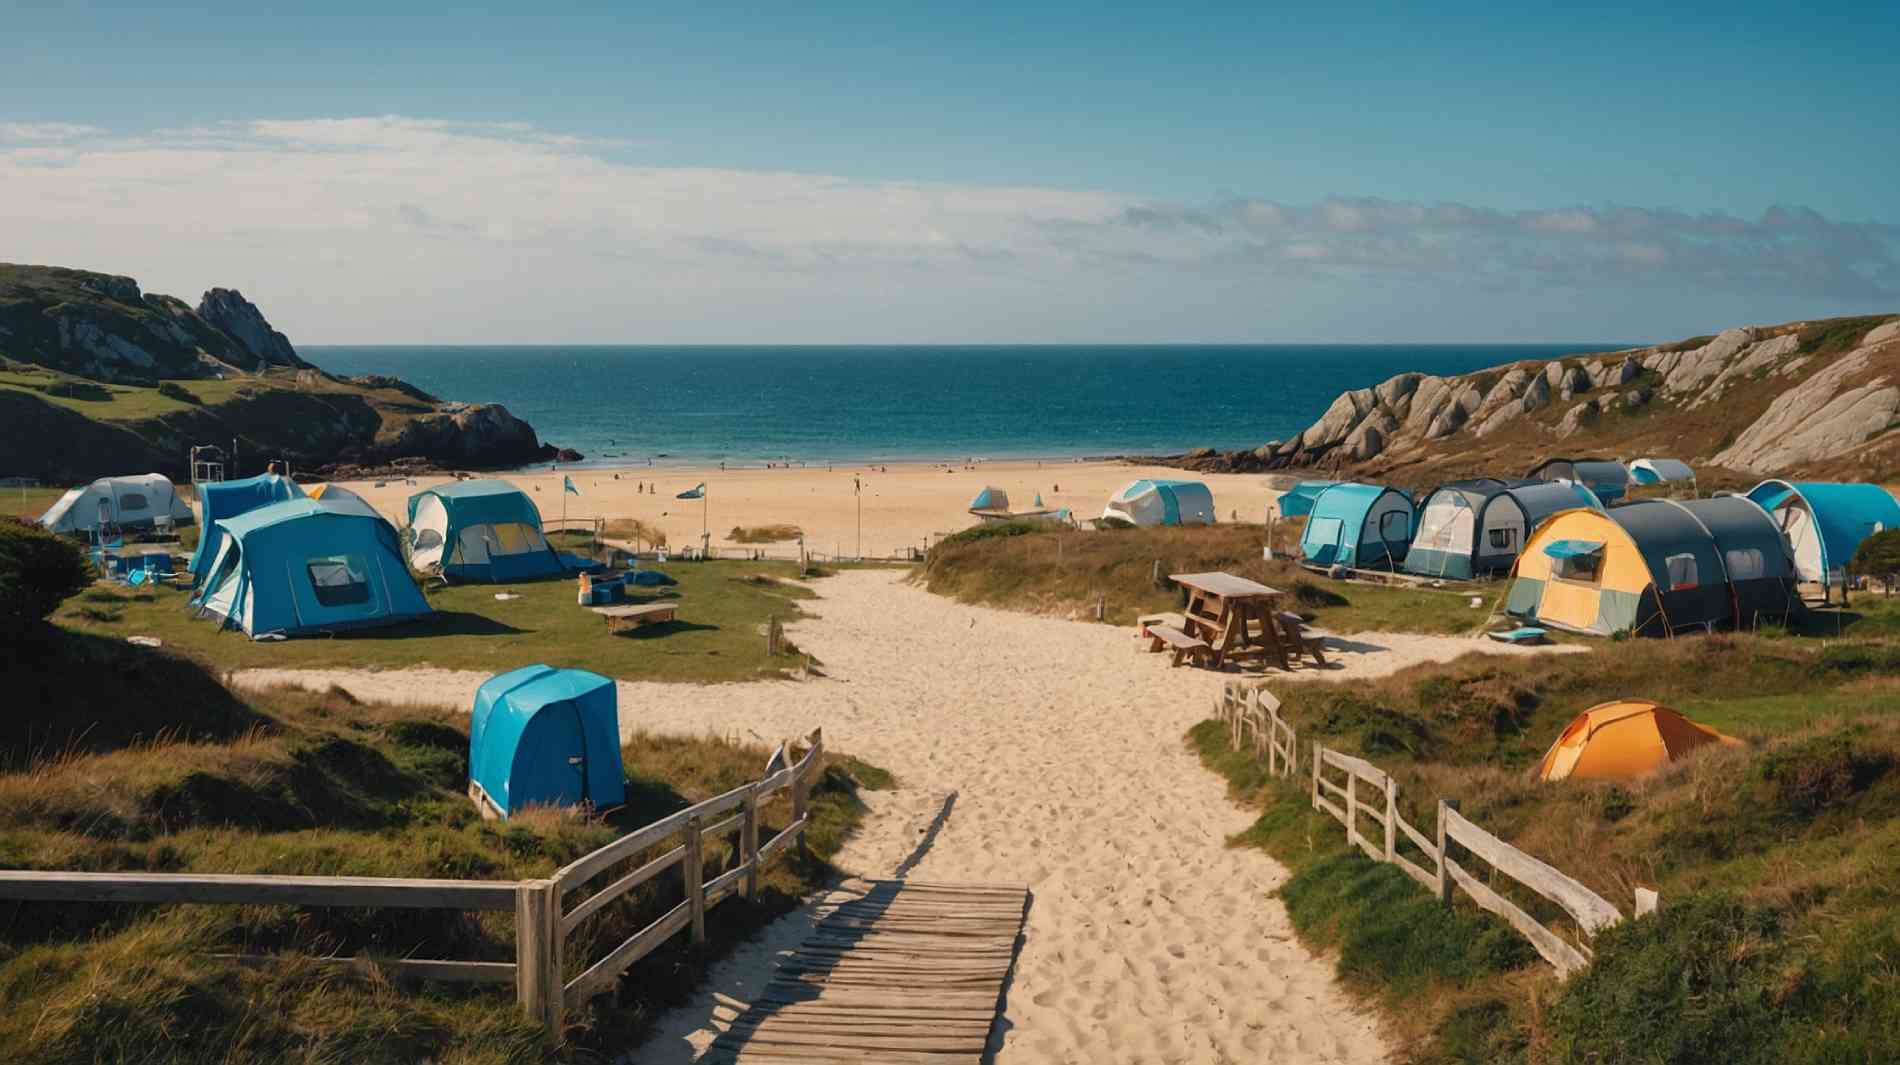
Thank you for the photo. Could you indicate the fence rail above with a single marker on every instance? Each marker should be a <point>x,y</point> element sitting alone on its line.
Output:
<point>1336,779</point>
<point>541,924</point>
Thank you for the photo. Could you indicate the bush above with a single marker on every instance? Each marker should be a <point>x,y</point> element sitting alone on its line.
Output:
<point>38,571</point>
<point>1817,775</point>
<point>174,390</point>
<point>993,530</point>
<point>1879,557</point>
<point>79,390</point>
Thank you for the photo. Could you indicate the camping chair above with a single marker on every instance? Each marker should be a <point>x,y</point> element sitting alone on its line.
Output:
<point>1301,640</point>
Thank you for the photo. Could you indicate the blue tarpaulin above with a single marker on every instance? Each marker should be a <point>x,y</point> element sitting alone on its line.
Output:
<point>1572,548</point>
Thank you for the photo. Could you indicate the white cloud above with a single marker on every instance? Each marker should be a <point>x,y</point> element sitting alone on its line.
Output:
<point>392,228</point>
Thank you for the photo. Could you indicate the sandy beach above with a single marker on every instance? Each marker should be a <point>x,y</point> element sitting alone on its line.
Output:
<point>1039,750</point>
<point>904,504</point>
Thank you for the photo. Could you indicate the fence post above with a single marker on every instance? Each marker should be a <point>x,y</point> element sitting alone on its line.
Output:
<point>799,804</point>
<point>749,841</point>
<point>1444,852</point>
<point>538,953</point>
<point>1316,761</point>
<point>1352,805</point>
<point>1646,901</point>
<point>1391,818</point>
<point>695,879</point>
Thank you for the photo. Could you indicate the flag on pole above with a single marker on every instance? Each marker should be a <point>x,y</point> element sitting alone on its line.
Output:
<point>568,484</point>
<point>698,491</point>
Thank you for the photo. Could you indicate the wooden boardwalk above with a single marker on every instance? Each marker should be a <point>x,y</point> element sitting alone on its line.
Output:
<point>910,973</point>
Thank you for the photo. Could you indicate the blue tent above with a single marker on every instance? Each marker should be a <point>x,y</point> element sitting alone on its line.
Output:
<point>307,566</point>
<point>545,736</point>
<point>1607,478</point>
<point>1825,522</point>
<point>1298,500</point>
<point>1162,502</point>
<point>1474,528</point>
<point>1358,525</point>
<point>480,531</point>
<point>228,499</point>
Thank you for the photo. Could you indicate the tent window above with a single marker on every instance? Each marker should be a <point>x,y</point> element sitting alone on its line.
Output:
<point>1504,539</point>
<point>1745,565</point>
<point>427,538</point>
<point>1584,567</point>
<point>1394,526</point>
<point>339,580</point>
<point>1682,572</point>
<point>131,501</point>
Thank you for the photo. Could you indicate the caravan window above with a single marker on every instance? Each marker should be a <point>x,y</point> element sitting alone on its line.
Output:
<point>1504,539</point>
<point>1745,565</point>
<point>131,501</point>
<point>1682,572</point>
<point>339,580</point>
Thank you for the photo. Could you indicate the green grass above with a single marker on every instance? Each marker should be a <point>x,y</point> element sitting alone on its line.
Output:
<point>1836,335</point>
<point>320,784</point>
<point>28,503</point>
<point>118,403</point>
<point>719,634</point>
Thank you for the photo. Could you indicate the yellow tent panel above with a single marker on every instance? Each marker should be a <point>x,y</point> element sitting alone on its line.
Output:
<point>1623,739</point>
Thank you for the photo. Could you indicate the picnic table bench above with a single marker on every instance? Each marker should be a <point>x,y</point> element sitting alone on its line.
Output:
<point>635,615</point>
<point>1183,645</point>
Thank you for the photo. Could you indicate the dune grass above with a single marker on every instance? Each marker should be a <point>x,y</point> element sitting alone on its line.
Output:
<point>719,635</point>
<point>764,534</point>
<point>319,784</point>
<point>1779,938</point>
<point>1051,570</point>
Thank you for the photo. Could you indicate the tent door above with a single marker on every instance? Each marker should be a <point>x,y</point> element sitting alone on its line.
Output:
<point>575,735</point>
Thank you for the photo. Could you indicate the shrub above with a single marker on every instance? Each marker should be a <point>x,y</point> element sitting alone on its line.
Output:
<point>38,571</point>
<point>174,390</point>
<point>79,390</point>
<point>993,530</point>
<point>1820,774</point>
<point>1879,557</point>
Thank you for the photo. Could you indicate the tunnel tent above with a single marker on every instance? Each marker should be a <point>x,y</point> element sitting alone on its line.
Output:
<point>218,500</point>
<point>540,736</point>
<point>1655,567</point>
<point>1609,480</point>
<point>1824,523</point>
<point>1297,501</point>
<point>1660,471</point>
<point>139,501</point>
<point>1360,526</point>
<point>307,566</point>
<point>1162,502</point>
<point>1475,528</point>
<point>1623,739</point>
<point>486,530</point>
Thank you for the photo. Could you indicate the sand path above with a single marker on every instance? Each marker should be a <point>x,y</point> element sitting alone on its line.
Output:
<point>1039,750</point>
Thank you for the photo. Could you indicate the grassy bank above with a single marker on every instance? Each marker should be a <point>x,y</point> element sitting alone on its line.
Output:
<point>1779,938</point>
<point>319,784</point>
<point>1049,570</point>
<point>719,635</point>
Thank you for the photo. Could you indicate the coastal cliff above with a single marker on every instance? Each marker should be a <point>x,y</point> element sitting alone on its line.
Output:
<point>1817,399</point>
<point>98,377</point>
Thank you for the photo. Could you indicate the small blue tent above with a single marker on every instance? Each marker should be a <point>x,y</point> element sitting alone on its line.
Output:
<point>1298,500</point>
<point>480,531</point>
<point>1825,522</point>
<point>1162,502</point>
<point>307,566</point>
<point>228,499</point>
<point>545,736</point>
<point>1358,525</point>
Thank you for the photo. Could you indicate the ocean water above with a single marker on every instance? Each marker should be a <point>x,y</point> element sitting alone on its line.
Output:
<point>850,404</point>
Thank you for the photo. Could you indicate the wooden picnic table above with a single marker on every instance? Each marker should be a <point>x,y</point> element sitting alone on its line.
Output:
<point>635,615</point>
<point>1234,615</point>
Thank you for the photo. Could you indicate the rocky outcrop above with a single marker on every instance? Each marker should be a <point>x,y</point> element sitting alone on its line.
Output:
<point>227,310</point>
<point>1837,409</point>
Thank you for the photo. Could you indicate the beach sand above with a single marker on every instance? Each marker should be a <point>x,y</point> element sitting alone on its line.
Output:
<point>903,503</point>
<point>1039,750</point>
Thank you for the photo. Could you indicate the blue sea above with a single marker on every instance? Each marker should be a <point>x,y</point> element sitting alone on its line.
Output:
<point>747,405</point>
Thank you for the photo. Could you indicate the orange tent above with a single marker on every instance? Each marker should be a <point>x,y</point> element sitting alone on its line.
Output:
<point>1622,739</point>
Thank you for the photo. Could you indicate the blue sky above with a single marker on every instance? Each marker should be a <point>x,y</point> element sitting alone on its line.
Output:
<point>961,173</point>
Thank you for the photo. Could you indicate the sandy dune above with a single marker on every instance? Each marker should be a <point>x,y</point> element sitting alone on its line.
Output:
<point>1039,750</point>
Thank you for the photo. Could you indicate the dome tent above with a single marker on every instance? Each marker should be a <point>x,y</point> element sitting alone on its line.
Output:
<point>307,566</point>
<point>1825,523</point>
<point>545,736</point>
<point>1476,528</point>
<point>135,502</point>
<point>480,531</point>
<point>1297,501</point>
<point>1622,739</point>
<point>1609,480</point>
<point>1660,471</point>
<point>218,500</point>
<point>1357,525</point>
<point>1162,502</point>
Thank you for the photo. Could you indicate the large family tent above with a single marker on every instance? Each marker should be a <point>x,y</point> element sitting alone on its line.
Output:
<point>308,566</point>
<point>1476,528</point>
<point>218,500</point>
<point>1825,522</point>
<point>1158,502</point>
<point>479,531</point>
<point>1622,739</point>
<point>1610,480</point>
<point>137,502</point>
<point>1660,471</point>
<point>1297,501</point>
<point>1655,568</point>
<point>1363,526</point>
<point>541,736</point>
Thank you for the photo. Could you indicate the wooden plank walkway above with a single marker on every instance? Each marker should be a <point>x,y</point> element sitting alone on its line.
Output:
<point>910,973</point>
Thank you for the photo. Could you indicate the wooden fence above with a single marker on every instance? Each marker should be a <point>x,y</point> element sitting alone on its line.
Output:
<point>1359,795</point>
<point>541,923</point>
